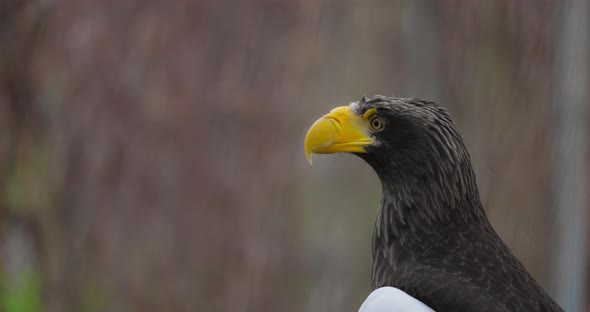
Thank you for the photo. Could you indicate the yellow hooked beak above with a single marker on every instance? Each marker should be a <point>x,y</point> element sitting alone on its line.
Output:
<point>341,130</point>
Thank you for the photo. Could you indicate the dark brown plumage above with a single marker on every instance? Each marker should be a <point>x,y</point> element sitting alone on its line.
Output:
<point>432,238</point>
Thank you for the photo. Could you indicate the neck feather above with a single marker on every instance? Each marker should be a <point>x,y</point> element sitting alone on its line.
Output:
<point>441,194</point>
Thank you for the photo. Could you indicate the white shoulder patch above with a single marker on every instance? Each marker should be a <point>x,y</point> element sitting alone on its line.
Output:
<point>391,299</point>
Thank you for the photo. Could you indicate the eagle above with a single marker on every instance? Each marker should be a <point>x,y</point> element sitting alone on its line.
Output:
<point>433,247</point>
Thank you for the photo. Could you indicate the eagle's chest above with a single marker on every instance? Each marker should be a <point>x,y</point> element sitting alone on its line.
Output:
<point>436,284</point>
<point>458,277</point>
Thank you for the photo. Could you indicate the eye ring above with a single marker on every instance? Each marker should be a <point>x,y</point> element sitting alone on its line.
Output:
<point>376,123</point>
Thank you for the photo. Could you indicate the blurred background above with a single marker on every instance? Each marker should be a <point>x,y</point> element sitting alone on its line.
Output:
<point>151,152</point>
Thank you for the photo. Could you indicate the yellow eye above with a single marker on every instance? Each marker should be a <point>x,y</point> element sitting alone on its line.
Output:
<point>376,123</point>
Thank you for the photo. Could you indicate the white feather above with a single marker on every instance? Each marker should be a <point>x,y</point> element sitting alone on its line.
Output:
<point>354,106</point>
<point>390,299</point>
